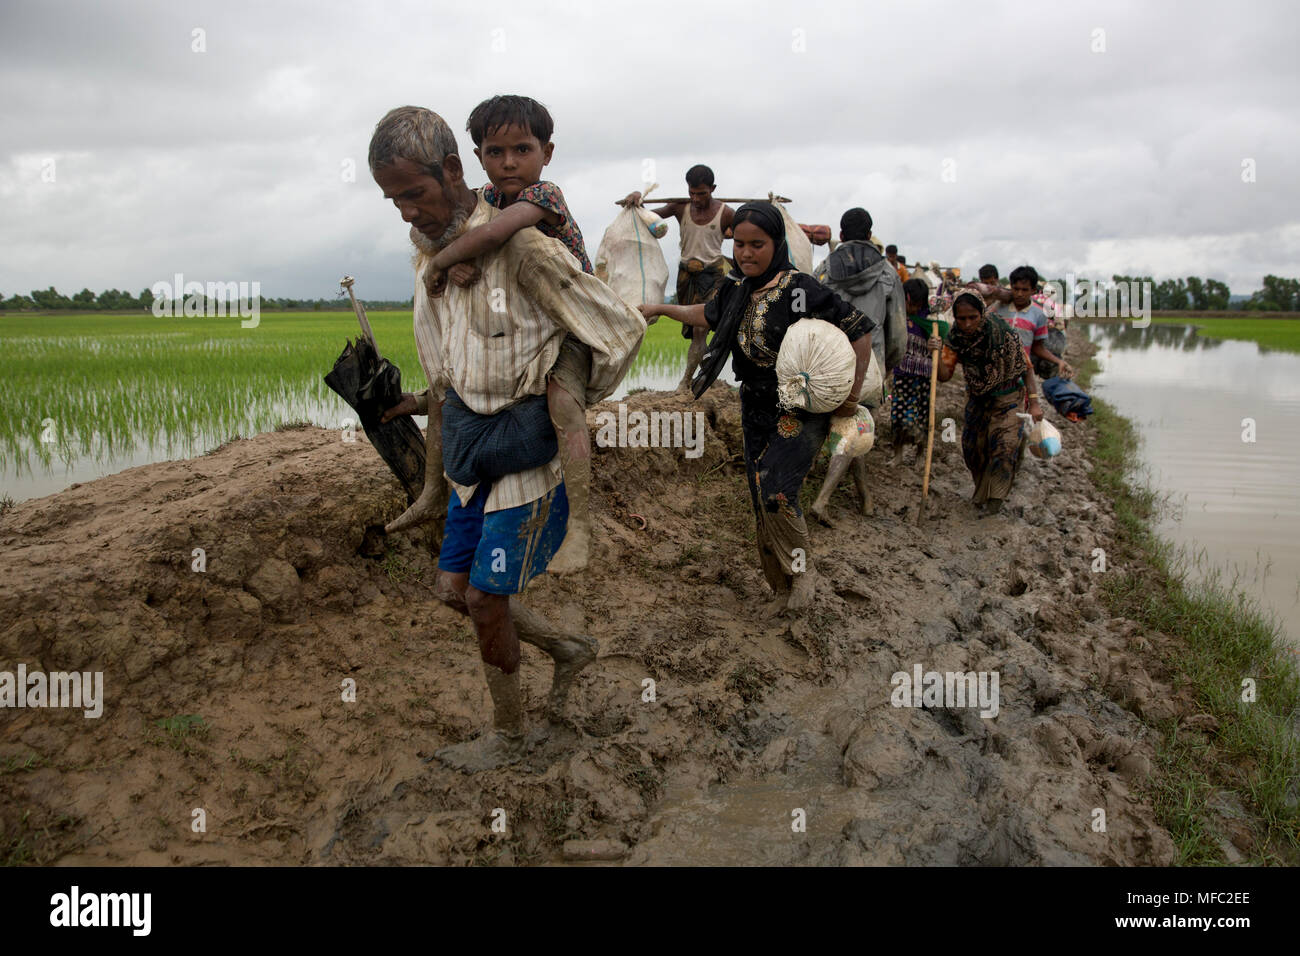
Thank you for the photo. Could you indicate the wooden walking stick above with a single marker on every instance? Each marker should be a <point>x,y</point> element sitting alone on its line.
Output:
<point>929,441</point>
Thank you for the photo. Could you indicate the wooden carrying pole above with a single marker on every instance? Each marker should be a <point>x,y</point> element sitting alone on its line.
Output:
<point>929,441</point>
<point>661,202</point>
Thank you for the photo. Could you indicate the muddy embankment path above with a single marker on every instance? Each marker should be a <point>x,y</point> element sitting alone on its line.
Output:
<point>223,689</point>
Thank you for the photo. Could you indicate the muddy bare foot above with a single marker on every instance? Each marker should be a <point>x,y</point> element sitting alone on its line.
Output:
<point>820,515</point>
<point>801,593</point>
<point>571,655</point>
<point>487,752</point>
<point>574,553</point>
<point>430,506</point>
<point>776,607</point>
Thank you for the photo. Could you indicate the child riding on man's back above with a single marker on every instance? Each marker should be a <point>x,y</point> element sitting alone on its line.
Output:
<point>512,139</point>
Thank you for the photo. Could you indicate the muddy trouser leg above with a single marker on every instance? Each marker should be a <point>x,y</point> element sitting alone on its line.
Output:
<point>789,534</point>
<point>432,503</point>
<point>571,652</point>
<point>974,448</point>
<point>768,561</point>
<point>768,558</point>
<point>1005,444</point>
<point>792,443</point>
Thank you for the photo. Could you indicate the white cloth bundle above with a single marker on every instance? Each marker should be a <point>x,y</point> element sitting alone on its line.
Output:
<point>801,251</point>
<point>629,259</point>
<point>814,369</point>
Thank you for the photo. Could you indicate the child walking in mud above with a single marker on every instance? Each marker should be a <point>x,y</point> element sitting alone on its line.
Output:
<point>909,408</point>
<point>512,139</point>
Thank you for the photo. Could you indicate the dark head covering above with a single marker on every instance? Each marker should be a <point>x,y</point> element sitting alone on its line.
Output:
<point>992,358</point>
<point>768,218</point>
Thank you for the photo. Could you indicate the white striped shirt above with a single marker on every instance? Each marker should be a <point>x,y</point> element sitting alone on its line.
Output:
<point>495,341</point>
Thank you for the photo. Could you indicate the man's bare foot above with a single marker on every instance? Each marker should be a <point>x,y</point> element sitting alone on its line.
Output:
<point>574,553</point>
<point>430,506</point>
<point>491,750</point>
<point>820,515</point>
<point>571,655</point>
<point>801,592</point>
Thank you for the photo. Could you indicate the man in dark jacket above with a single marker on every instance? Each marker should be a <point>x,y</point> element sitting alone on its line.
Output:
<point>859,274</point>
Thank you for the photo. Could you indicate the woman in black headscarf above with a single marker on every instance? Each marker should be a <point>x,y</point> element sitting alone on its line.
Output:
<point>756,303</point>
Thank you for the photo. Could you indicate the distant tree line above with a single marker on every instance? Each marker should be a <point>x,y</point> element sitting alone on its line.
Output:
<point>1181,295</point>
<point>1206,295</point>
<point>1171,295</point>
<point>115,300</point>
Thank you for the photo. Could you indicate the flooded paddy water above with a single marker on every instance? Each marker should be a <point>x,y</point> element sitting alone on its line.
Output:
<point>97,394</point>
<point>1235,501</point>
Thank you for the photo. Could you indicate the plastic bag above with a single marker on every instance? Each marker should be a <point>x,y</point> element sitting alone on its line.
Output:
<point>1044,440</point>
<point>852,436</point>
<point>814,369</point>
<point>629,259</point>
<point>873,384</point>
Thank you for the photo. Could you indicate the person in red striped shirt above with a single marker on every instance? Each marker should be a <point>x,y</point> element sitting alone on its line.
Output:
<point>1028,320</point>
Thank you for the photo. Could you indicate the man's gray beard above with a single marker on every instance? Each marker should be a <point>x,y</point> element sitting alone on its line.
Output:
<point>430,247</point>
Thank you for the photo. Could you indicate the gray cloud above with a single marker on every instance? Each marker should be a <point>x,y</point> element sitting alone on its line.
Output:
<point>227,164</point>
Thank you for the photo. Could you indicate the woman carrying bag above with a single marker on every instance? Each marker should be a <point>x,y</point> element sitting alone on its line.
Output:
<point>755,305</point>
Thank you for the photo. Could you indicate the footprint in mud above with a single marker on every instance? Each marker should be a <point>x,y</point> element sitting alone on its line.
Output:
<point>606,723</point>
<point>549,744</point>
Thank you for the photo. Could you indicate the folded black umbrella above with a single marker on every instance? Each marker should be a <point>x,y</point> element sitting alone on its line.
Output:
<point>372,385</point>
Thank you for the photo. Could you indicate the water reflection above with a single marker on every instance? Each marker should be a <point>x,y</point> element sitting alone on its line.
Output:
<point>1123,335</point>
<point>1196,403</point>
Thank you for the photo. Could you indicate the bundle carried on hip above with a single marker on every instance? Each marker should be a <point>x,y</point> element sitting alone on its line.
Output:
<point>488,447</point>
<point>814,368</point>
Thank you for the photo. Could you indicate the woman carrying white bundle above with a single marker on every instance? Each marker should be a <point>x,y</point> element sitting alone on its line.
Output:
<point>756,304</point>
<point>814,367</point>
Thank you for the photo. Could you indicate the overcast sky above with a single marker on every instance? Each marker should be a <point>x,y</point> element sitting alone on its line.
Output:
<point>229,164</point>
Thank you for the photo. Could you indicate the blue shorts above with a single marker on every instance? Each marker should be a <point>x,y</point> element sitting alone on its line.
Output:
<point>503,550</point>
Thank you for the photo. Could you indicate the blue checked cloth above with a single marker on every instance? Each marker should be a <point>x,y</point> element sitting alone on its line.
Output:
<point>482,448</point>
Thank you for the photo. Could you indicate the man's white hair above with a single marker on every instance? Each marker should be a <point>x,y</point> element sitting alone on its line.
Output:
<point>412,133</point>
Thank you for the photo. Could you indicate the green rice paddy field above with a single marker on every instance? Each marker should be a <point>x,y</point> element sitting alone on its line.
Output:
<point>106,387</point>
<point>1282,334</point>
<point>118,390</point>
